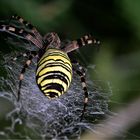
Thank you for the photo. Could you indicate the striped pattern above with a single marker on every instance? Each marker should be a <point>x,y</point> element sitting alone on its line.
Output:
<point>54,73</point>
<point>85,40</point>
<point>21,33</point>
<point>30,26</point>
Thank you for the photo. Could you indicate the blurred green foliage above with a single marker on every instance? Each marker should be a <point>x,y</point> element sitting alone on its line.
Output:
<point>115,23</point>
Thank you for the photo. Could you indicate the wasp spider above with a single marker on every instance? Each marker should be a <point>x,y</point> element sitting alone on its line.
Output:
<point>54,66</point>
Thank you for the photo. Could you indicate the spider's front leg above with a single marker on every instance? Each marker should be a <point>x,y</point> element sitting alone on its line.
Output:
<point>31,35</point>
<point>29,26</point>
<point>83,41</point>
<point>81,72</point>
<point>26,65</point>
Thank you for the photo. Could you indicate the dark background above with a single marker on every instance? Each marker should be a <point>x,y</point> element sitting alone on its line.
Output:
<point>116,23</point>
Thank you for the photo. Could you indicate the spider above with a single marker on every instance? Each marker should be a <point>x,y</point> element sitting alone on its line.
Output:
<point>54,66</point>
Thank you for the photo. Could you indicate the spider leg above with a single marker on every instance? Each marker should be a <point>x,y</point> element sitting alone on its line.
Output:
<point>21,33</point>
<point>26,65</point>
<point>21,54</point>
<point>83,41</point>
<point>29,26</point>
<point>81,72</point>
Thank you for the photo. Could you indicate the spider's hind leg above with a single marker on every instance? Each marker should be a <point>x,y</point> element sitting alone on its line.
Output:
<point>26,65</point>
<point>81,72</point>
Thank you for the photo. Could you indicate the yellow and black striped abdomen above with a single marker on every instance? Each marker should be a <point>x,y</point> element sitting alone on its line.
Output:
<point>54,73</point>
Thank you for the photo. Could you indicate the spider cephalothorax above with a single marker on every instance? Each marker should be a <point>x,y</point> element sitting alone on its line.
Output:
<point>52,39</point>
<point>54,66</point>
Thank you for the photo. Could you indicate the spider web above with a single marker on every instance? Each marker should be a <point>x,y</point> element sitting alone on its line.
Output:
<point>35,116</point>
